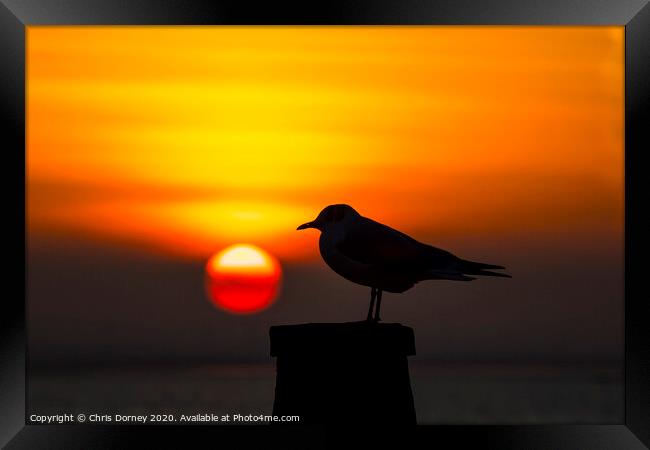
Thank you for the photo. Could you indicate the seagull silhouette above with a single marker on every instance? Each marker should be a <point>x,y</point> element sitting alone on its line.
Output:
<point>375,255</point>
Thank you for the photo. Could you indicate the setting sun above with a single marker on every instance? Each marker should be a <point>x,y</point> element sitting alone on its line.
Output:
<point>243,279</point>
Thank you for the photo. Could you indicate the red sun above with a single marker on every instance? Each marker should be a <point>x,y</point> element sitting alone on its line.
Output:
<point>243,279</point>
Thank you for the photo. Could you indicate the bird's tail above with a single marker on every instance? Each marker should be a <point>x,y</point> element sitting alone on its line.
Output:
<point>477,268</point>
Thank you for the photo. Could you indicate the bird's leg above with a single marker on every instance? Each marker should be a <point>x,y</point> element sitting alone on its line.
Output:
<point>377,318</point>
<point>373,294</point>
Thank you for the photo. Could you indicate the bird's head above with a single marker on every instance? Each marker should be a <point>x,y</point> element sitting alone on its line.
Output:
<point>332,216</point>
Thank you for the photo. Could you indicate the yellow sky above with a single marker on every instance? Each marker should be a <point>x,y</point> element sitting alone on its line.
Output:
<point>189,139</point>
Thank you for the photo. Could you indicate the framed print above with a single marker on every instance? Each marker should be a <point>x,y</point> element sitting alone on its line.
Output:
<point>255,219</point>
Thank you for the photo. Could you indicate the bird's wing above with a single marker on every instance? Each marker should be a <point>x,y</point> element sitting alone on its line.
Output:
<point>373,243</point>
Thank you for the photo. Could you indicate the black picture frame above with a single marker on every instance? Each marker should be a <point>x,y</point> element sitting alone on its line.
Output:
<point>634,15</point>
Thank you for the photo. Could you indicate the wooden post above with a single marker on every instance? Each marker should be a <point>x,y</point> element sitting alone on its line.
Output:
<point>343,372</point>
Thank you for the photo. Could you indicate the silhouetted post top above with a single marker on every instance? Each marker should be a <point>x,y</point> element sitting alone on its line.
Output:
<point>343,372</point>
<point>349,338</point>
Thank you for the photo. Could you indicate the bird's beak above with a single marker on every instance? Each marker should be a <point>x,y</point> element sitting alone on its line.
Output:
<point>306,225</point>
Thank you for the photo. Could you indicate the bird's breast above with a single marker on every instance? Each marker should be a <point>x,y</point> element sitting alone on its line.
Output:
<point>358,272</point>
<point>337,261</point>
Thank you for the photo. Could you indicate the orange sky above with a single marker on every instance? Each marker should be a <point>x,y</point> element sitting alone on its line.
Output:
<point>188,139</point>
